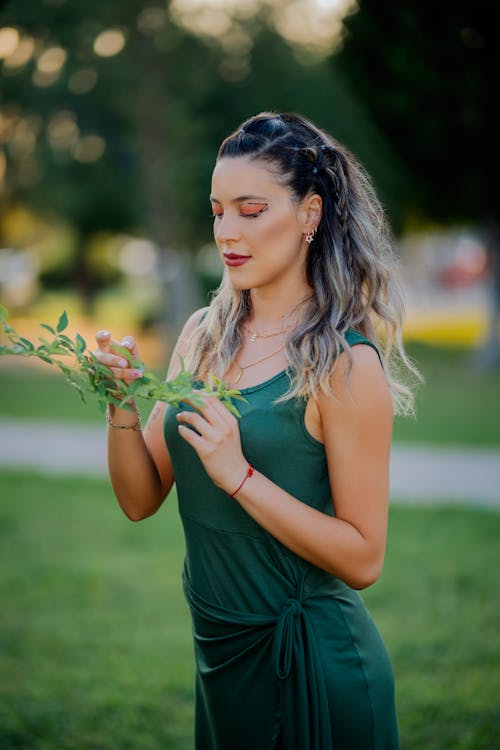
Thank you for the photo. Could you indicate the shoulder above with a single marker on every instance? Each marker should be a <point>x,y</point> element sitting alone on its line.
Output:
<point>183,340</point>
<point>192,323</point>
<point>358,383</point>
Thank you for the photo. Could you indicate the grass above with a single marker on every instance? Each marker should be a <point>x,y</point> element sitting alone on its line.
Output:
<point>39,393</point>
<point>96,638</point>
<point>455,406</point>
<point>96,641</point>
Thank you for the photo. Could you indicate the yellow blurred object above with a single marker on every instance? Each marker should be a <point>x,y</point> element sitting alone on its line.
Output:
<point>447,328</point>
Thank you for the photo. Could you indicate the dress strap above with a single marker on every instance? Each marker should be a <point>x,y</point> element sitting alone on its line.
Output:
<point>353,337</point>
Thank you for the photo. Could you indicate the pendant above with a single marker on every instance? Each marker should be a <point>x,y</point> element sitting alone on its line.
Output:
<point>253,337</point>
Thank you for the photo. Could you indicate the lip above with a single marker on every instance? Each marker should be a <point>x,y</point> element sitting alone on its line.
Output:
<point>233,259</point>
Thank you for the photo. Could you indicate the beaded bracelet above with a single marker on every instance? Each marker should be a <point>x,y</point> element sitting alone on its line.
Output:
<point>247,475</point>
<point>137,426</point>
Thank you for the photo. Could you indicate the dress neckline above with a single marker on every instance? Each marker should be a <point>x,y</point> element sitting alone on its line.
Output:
<point>263,384</point>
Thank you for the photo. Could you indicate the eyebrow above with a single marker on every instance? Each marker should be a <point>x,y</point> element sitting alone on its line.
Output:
<point>241,198</point>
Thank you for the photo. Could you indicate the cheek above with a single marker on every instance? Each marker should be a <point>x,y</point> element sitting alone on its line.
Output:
<point>280,230</point>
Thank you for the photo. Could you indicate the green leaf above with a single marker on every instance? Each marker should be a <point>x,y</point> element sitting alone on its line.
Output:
<point>134,385</point>
<point>86,374</point>
<point>27,344</point>
<point>62,323</point>
<point>80,344</point>
<point>125,353</point>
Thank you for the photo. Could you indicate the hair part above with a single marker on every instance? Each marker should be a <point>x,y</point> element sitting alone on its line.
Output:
<point>350,265</point>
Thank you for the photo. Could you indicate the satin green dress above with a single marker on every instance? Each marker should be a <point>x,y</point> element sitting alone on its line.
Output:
<point>287,656</point>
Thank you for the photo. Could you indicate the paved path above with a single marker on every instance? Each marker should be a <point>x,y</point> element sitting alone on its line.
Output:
<point>456,475</point>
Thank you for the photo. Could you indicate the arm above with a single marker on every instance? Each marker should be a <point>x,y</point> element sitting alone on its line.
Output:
<point>357,425</point>
<point>139,465</point>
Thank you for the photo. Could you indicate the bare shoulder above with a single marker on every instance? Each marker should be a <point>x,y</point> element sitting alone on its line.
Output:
<point>365,388</point>
<point>193,322</point>
<point>182,344</point>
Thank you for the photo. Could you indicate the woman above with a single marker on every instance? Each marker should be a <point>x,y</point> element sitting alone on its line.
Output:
<point>284,509</point>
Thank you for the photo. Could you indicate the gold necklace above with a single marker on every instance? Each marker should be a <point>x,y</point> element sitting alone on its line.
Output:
<point>254,335</point>
<point>257,362</point>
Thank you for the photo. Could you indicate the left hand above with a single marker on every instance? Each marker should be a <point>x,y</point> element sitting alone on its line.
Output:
<point>218,444</point>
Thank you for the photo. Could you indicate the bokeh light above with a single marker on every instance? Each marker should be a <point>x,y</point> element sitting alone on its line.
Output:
<point>109,43</point>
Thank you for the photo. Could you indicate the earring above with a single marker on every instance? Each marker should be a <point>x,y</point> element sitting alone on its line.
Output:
<point>310,236</point>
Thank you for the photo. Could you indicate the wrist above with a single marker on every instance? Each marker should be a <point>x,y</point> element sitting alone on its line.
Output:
<point>123,419</point>
<point>244,476</point>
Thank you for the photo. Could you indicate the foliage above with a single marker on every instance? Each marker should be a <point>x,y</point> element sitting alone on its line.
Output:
<point>87,375</point>
<point>425,72</point>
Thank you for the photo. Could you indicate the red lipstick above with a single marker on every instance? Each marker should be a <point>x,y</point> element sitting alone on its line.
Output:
<point>233,259</point>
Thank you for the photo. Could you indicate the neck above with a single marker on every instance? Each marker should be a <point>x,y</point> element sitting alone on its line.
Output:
<point>269,309</point>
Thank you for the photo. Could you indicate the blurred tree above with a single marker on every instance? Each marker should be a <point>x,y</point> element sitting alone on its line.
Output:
<point>96,116</point>
<point>114,113</point>
<point>427,73</point>
<point>66,144</point>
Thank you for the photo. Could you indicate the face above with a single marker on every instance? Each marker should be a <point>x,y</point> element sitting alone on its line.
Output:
<point>257,226</point>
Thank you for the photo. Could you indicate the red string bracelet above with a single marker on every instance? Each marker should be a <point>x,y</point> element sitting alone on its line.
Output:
<point>247,475</point>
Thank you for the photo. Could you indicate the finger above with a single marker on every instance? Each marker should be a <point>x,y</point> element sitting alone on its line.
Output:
<point>222,411</point>
<point>103,339</point>
<point>111,360</point>
<point>196,441</point>
<point>130,343</point>
<point>125,373</point>
<point>210,412</point>
<point>200,424</point>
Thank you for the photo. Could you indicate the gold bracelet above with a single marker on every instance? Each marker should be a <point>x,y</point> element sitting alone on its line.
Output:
<point>137,426</point>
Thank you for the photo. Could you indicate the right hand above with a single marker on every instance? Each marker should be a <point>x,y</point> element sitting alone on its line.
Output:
<point>107,355</point>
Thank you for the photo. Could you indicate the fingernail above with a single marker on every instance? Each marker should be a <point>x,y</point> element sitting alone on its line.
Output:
<point>136,373</point>
<point>126,342</point>
<point>122,362</point>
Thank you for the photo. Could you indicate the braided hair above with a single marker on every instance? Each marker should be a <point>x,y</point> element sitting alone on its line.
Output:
<point>350,264</point>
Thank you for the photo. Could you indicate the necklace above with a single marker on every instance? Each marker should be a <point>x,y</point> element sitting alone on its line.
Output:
<point>257,362</point>
<point>254,335</point>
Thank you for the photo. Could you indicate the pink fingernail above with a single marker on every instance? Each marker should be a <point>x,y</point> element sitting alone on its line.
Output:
<point>136,373</point>
<point>122,362</point>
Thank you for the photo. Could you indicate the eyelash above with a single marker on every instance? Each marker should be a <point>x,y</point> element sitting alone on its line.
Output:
<point>246,216</point>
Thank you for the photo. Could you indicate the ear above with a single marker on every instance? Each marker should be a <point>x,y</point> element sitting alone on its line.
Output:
<point>310,212</point>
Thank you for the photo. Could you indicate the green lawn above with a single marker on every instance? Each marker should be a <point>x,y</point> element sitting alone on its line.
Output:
<point>95,634</point>
<point>44,394</point>
<point>455,406</point>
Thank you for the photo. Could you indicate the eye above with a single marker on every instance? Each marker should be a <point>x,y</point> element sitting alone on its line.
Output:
<point>252,210</point>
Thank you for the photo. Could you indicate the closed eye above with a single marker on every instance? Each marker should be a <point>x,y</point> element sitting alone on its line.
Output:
<point>253,214</point>
<point>244,211</point>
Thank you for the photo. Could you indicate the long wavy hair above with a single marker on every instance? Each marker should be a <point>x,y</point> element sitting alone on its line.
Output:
<point>350,265</point>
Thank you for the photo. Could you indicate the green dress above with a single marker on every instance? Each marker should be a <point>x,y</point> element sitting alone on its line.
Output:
<point>287,655</point>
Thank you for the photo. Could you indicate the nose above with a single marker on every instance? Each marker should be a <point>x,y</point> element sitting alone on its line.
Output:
<point>226,228</point>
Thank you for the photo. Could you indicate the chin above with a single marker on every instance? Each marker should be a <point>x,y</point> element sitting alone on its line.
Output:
<point>240,286</point>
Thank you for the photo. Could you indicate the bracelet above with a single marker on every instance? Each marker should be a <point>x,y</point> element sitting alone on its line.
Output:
<point>137,426</point>
<point>247,475</point>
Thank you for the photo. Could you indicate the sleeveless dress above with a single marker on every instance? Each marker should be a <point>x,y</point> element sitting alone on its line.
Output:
<point>286,654</point>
